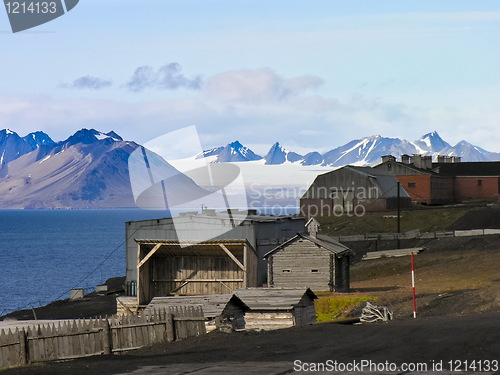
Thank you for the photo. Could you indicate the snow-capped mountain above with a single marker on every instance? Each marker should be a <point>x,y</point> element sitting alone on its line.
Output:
<point>88,136</point>
<point>90,169</point>
<point>279,155</point>
<point>431,143</point>
<point>312,158</point>
<point>12,146</point>
<point>469,152</point>
<point>211,152</point>
<point>87,170</point>
<point>367,151</point>
<point>236,152</point>
<point>363,152</point>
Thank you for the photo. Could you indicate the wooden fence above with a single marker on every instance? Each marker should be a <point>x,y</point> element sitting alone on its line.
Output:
<point>414,234</point>
<point>84,338</point>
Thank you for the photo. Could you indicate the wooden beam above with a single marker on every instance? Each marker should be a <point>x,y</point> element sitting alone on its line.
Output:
<point>180,287</point>
<point>245,261</point>
<point>149,255</point>
<point>226,286</point>
<point>198,280</point>
<point>231,255</point>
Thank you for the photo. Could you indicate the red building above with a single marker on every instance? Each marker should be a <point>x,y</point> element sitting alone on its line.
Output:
<point>416,176</point>
<point>447,181</point>
<point>472,180</point>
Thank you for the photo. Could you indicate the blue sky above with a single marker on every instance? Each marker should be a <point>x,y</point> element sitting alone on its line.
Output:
<point>312,75</point>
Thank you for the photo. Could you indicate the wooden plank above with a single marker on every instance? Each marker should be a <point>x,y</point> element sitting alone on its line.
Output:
<point>107,340</point>
<point>170,327</point>
<point>199,280</point>
<point>23,353</point>
<point>231,255</point>
<point>149,255</point>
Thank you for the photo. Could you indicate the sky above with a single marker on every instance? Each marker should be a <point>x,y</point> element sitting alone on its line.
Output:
<point>312,75</point>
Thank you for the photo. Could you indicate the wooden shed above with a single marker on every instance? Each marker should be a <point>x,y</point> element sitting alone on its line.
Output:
<point>168,267</point>
<point>318,262</point>
<point>275,308</point>
<point>221,311</point>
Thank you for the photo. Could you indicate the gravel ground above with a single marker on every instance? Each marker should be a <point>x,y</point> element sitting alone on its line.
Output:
<point>429,341</point>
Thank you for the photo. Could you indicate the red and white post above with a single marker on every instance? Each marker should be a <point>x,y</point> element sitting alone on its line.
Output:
<point>413,285</point>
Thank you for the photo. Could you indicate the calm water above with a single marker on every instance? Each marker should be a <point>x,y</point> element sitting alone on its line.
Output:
<point>45,253</point>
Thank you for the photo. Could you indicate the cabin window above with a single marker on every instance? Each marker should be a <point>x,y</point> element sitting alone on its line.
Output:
<point>286,271</point>
<point>479,182</point>
<point>315,271</point>
<point>412,184</point>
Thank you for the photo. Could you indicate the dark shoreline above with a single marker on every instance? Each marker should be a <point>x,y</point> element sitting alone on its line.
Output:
<point>92,305</point>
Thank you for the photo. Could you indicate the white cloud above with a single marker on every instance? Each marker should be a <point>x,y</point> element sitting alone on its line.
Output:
<point>256,86</point>
<point>257,107</point>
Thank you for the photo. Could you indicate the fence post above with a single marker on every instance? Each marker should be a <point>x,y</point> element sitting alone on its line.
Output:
<point>106,338</point>
<point>23,348</point>
<point>170,329</point>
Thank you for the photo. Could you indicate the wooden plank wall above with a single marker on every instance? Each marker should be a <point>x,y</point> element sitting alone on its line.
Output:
<point>293,266</point>
<point>268,320</point>
<point>251,264</point>
<point>84,338</point>
<point>201,273</point>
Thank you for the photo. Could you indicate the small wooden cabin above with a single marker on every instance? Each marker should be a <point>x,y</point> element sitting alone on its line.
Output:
<point>172,267</point>
<point>318,262</point>
<point>275,308</point>
<point>224,312</point>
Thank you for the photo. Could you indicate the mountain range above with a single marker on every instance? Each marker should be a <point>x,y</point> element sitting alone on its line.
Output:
<point>90,168</point>
<point>363,152</point>
<point>87,170</point>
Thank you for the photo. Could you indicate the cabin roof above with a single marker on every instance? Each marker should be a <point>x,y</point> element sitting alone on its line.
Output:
<point>273,298</point>
<point>212,305</point>
<point>326,242</point>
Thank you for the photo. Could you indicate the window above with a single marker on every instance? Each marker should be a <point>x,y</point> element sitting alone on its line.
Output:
<point>315,271</point>
<point>286,271</point>
<point>479,182</point>
<point>412,184</point>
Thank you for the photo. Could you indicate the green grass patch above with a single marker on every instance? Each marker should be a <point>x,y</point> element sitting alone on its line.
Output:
<point>331,308</point>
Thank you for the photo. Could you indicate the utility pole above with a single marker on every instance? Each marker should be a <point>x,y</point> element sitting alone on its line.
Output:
<point>399,216</point>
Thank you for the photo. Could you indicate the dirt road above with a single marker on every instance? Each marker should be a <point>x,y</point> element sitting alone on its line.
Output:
<point>429,341</point>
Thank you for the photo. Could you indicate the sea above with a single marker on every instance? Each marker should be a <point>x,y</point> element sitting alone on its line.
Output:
<point>45,253</point>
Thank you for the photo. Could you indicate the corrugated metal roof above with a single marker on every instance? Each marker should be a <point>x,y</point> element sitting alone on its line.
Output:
<point>213,305</point>
<point>273,298</point>
<point>247,219</point>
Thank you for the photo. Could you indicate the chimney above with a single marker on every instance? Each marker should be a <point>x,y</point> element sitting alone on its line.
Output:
<point>312,227</point>
<point>388,158</point>
<point>422,162</point>
<point>457,159</point>
<point>427,162</point>
<point>416,160</point>
<point>405,159</point>
<point>441,159</point>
